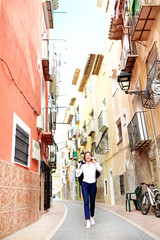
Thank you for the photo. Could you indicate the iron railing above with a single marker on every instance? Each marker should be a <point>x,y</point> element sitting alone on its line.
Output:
<point>91,127</point>
<point>137,131</point>
<point>102,120</point>
<point>49,119</point>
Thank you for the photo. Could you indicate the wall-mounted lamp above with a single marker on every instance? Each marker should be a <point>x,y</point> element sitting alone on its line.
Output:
<point>124,80</point>
<point>147,95</point>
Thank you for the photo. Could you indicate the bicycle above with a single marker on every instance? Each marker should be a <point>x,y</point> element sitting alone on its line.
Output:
<point>150,197</point>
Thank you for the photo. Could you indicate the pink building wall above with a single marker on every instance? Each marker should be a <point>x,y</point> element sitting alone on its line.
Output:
<point>20,91</point>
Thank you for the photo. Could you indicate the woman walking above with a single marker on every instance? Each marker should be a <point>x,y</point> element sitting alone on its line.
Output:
<point>89,187</point>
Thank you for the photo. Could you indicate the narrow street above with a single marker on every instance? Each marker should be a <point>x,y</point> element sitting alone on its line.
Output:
<point>108,226</point>
<point>65,220</point>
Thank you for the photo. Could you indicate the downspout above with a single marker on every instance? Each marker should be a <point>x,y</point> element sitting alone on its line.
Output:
<point>155,140</point>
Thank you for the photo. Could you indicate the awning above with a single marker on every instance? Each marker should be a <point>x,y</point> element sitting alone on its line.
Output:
<point>145,22</point>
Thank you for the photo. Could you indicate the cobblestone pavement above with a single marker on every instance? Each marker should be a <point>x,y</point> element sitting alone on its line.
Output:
<point>108,226</point>
<point>65,220</point>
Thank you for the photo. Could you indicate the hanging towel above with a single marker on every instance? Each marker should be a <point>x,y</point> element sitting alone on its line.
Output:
<point>134,6</point>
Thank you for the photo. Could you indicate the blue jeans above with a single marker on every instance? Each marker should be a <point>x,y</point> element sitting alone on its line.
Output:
<point>89,191</point>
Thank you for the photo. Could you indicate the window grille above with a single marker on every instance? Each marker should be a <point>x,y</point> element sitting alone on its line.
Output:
<point>121,180</point>
<point>105,187</point>
<point>21,146</point>
<point>119,130</point>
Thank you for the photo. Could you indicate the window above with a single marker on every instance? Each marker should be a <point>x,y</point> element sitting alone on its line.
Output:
<point>119,130</point>
<point>20,142</point>
<point>105,187</point>
<point>121,180</point>
<point>21,146</point>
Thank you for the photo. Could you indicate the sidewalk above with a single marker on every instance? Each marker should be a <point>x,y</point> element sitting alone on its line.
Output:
<point>49,223</point>
<point>148,223</point>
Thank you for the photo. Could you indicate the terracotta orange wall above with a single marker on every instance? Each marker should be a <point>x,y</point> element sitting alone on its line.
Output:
<point>21,27</point>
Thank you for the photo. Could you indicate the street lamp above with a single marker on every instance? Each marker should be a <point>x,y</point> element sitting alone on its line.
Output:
<point>124,80</point>
<point>147,96</point>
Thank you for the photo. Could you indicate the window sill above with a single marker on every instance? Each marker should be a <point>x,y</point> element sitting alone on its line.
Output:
<point>21,165</point>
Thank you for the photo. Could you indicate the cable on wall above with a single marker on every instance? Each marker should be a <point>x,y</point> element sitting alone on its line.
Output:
<point>35,111</point>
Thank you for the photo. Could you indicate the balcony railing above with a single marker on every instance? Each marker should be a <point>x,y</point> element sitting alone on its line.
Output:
<point>91,127</point>
<point>137,132</point>
<point>102,121</point>
<point>103,145</point>
<point>78,144</point>
<point>129,51</point>
<point>77,118</point>
<point>74,131</point>
<point>49,125</point>
<point>83,138</point>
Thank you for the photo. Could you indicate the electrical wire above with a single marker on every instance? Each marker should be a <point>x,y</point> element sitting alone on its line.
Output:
<point>35,111</point>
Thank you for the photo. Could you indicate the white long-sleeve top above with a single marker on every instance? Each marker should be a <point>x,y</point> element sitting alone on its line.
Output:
<point>89,172</point>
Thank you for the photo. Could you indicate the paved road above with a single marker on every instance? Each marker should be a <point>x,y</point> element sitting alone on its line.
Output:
<point>108,226</point>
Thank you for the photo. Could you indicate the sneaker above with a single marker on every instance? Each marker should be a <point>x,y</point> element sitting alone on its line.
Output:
<point>92,221</point>
<point>88,224</point>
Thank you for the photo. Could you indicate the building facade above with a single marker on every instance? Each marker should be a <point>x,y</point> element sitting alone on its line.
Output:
<point>118,119</point>
<point>26,132</point>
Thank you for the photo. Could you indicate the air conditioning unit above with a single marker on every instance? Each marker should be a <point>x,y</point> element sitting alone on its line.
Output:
<point>40,122</point>
<point>36,150</point>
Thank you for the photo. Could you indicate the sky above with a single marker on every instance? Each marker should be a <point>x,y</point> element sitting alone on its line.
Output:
<point>83,28</point>
<point>82,31</point>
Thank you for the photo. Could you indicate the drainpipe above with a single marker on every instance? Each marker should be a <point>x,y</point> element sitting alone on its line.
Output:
<point>155,140</point>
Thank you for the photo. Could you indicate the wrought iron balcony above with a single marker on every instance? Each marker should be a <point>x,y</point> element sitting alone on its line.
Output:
<point>137,132</point>
<point>83,138</point>
<point>102,121</point>
<point>103,145</point>
<point>91,127</point>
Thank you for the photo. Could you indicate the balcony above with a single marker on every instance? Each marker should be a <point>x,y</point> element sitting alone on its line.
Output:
<point>48,126</point>
<point>45,59</point>
<point>77,118</point>
<point>74,131</point>
<point>103,144</point>
<point>116,32</point>
<point>91,127</point>
<point>83,138</point>
<point>129,52</point>
<point>52,164</point>
<point>102,121</point>
<point>78,144</point>
<point>76,76</point>
<point>137,132</point>
<point>87,72</point>
<point>69,135</point>
<point>48,13</point>
<point>144,19</point>
<point>70,114</point>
